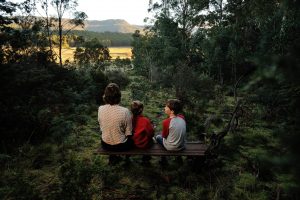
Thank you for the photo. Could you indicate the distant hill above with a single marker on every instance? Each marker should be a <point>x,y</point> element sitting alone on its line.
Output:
<point>111,25</point>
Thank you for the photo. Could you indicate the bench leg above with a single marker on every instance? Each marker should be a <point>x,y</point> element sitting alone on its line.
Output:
<point>163,161</point>
<point>113,159</point>
<point>196,162</point>
<point>146,158</point>
<point>127,160</point>
<point>178,160</point>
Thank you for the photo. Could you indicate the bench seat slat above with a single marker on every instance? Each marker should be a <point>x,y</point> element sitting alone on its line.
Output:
<point>192,149</point>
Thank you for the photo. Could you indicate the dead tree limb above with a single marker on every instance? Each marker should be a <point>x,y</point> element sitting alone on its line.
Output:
<point>216,138</point>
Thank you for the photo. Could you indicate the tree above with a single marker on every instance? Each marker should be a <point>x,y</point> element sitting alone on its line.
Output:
<point>61,7</point>
<point>25,42</point>
<point>168,46</point>
<point>143,57</point>
<point>93,53</point>
<point>49,20</point>
<point>6,11</point>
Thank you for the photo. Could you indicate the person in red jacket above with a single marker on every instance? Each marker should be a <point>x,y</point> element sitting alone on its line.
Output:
<point>142,128</point>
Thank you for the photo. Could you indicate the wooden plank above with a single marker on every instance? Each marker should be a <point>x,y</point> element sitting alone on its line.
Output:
<point>192,149</point>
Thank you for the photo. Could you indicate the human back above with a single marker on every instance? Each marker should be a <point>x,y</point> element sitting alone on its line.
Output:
<point>173,135</point>
<point>177,134</point>
<point>143,130</point>
<point>114,120</point>
<point>115,125</point>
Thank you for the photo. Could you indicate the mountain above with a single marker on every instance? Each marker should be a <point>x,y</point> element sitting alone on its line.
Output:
<point>111,25</point>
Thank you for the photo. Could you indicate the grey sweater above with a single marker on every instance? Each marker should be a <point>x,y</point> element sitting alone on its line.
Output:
<point>177,135</point>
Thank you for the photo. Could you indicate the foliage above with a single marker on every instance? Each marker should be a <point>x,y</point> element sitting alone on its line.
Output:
<point>239,49</point>
<point>93,53</point>
<point>43,100</point>
<point>6,10</point>
<point>61,7</point>
<point>119,77</point>
<point>108,39</point>
<point>207,53</point>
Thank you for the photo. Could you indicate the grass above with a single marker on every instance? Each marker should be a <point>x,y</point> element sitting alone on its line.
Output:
<point>121,52</point>
<point>50,171</point>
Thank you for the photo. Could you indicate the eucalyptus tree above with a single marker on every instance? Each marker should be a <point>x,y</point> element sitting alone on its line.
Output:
<point>25,41</point>
<point>188,15</point>
<point>93,53</point>
<point>168,43</point>
<point>62,7</point>
<point>45,4</point>
<point>267,33</point>
<point>6,11</point>
<point>140,55</point>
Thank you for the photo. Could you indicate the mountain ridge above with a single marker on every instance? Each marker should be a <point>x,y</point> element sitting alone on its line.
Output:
<point>101,26</point>
<point>111,25</point>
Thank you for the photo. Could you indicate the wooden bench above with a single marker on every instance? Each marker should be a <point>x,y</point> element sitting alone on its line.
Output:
<point>192,149</point>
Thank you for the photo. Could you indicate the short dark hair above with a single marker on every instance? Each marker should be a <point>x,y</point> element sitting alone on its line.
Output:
<point>174,105</point>
<point>136,107</point>
<point>112,94</point>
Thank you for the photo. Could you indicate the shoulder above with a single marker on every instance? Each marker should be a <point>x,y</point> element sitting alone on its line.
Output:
<point>181,116</point>
<point>167,121</point>
<point>124,110</point>
<point>178,120</point>
<point>144,118</point>
<point>141,119</point>
<point>118,107</point>
<point>102,107</point>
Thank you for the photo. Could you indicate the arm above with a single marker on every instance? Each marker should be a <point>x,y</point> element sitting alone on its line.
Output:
<point>99,114</point>
<point>165,131</point>
<point>149,128</point>
<point>128,123</point>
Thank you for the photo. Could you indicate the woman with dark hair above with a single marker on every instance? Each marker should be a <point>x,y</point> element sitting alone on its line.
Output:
<point>115,121</point>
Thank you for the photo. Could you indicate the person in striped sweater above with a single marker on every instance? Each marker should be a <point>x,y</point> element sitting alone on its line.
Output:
<point>115,121</point>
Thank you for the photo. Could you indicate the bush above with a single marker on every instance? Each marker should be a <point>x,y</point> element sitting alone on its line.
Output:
<point>118,77</point>
<point>38,102</point>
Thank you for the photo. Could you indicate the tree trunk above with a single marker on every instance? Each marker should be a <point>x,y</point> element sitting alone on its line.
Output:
<point>48,24</point>
<point>60,40</point>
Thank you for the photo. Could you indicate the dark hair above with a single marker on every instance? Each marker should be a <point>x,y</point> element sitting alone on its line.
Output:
<point>136,107</point>
<point>174,105</point>
<point>112,94</point>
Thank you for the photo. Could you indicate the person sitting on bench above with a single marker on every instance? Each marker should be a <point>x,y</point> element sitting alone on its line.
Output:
<point>173,135</point>
<point>115,121</point>
<point>143,130</point>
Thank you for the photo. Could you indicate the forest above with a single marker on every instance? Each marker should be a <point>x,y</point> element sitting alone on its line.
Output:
<point>213,55</point>
<point>109,39</point>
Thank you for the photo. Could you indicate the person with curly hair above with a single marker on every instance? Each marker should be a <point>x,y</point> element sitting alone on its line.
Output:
<point>115,121</point>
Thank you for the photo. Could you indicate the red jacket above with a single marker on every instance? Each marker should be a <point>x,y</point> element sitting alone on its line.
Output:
<point>142,132</point>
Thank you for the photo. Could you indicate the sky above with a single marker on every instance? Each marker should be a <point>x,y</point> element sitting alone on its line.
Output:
<point>133,11</point>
